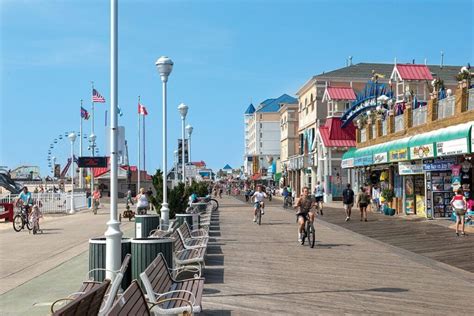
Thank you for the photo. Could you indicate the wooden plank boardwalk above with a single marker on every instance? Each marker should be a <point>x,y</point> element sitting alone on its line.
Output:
<point>262,270</point>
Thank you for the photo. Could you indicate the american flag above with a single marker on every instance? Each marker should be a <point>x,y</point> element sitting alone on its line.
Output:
<point>142,109</point>
<point>84,114</point>
<point>96,97</point>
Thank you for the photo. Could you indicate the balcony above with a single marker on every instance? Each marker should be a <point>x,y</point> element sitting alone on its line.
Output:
<point>363,135</point>
<point>399,123</point>
<point>384,127</point>
<point>446,107</point>
<point>470,102</point>
<point>419,116</point>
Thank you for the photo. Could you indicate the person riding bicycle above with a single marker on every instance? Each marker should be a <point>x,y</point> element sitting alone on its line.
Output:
<point>96,199</point>
<point>258,197</point>
<point>25,199</point>
<point>304,206</point>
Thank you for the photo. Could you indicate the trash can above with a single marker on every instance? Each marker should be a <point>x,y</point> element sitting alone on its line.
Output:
<point>146,223</point>
<point>145,250</point>
<point>191,219</point>
<point>97,259</point>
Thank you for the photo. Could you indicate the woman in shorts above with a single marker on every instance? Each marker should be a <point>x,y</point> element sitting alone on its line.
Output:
<point>362,202</point>
<point>459,207</point>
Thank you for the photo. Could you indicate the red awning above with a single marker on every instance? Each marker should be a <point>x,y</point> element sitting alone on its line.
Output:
<point>341,93</point>
<point>333,135</point>
<point>414,72</point>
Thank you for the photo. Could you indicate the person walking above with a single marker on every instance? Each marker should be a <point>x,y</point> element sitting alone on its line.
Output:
<point>362,202</point>
<point>142,202</point>
<point>149,195</point>
<point>348,201</point>
<point>459,206</point>
<point>96,200</point>
<point>319,195</point>
<point>129,197</point>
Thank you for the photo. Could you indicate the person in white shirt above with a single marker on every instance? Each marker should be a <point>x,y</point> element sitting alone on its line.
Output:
<point>142,202</point>
<point>376,198</point>
<point>258,197</point>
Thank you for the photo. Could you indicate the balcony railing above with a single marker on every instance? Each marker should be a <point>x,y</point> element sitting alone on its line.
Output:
<point>384,127</point>
<point>446,107</point>
<point>419,116</point>
<point>399,123</point>
<point>374,130</point>
<point>363,135</point>
<point>470,102</point>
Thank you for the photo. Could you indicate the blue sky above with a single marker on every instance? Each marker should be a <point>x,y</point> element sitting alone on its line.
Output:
<point>226,54</point>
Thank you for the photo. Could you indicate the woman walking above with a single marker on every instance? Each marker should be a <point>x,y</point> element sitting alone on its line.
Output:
<point>362,202</point>
<point>459,207</point>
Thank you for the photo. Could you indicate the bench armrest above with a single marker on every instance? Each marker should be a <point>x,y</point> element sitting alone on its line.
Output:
<point>158,295</point>
<point>181,269</point>
<point>57,301</point>
<point>152,305</point>
<point>100,269</point>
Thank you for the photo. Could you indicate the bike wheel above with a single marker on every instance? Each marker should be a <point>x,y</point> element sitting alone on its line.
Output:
<point>259,216</point>
<point>29,225</point>
<point>18,223</point>
<point>215,204</point>
<point>311,236</point>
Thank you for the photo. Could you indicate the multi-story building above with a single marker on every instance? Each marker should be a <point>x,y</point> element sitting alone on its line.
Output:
<point>263,133</point>
<point>415,141</point>
<point>288,138</point>
<point>248,117</point>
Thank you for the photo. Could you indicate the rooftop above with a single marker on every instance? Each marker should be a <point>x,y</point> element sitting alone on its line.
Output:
<point>273,105</point>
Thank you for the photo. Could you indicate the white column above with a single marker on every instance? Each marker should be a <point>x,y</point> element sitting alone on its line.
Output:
<point>113,235</point>
<point>328,192</point>
<point>183,147</point>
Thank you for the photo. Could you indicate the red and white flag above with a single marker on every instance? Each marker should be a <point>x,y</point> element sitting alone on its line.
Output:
<point>142,109</point>
<point>96,97</point>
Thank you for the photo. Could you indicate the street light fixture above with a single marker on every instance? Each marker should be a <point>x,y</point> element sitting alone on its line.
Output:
<point>183,110</point>
<point>164,66</point>
<point>72,138</point>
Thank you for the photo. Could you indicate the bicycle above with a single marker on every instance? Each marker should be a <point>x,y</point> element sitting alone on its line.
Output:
<point>259,212</point>
<point>309,232</point>
<point>21,220</point>
<point>287,202</point>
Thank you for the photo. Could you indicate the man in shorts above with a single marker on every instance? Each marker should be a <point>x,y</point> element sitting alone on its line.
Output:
<point>348,201</point>
<point>304,206</point>
<point>258,197</point>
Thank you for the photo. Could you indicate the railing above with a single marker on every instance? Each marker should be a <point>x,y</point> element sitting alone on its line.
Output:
<point>470,102</point>
<point>399,123</point>
<point>363,135</point>
<point>384,127</point>
<point>419,116</point>
<point>374,131</point>
<point>52,202</point>
<point>446,107</point>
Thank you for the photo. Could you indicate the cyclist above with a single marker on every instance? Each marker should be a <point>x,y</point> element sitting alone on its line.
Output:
<point>285,195</point>
<point>304,206</point>
<point>319,195</point>
<point>258,197</point>
<point>25,198</point>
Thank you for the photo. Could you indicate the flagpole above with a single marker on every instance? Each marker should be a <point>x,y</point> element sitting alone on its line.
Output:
<point>81,178</point>
<point>139,146</point>
<point>144,144</point>
<point>92,141</point>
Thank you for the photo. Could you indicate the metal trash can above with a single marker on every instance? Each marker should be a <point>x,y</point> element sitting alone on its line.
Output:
<point>146,223</point>
<point>145,250</point>
<point>97,259</point>
<point>191,219</point>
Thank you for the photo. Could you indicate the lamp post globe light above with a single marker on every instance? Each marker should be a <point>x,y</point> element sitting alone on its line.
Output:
<point>164,66</point>
<point>183,110</point>
<point>72,138</point>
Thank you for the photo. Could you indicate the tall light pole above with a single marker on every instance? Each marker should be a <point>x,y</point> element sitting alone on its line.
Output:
<point>183,110</point>
<point>92,139</point>
<point>72,138</point>
<point>176,153</point>
<point>113,235</point>
<point>164,66</point>
<point>189,130</point>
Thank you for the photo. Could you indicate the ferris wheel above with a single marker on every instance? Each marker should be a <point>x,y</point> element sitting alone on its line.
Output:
<point>59,151</point>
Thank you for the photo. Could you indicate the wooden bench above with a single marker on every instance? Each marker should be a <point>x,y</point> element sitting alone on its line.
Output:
<point>161,233</point>
<point>133,302</point>
<point>160,285</point>
<point>183,256</point>
<point>197,233</point>
<point>85,304</point>
<point>189,241</point>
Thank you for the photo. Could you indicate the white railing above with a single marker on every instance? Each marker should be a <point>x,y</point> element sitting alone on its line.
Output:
<point>374,131</point>
<point>470,103</point>
<point>399,123</point>
<point>363,135</point>
<point>52,202</point>
<point>419,116</point>
<point>446,107</point>
<point>384,127</point>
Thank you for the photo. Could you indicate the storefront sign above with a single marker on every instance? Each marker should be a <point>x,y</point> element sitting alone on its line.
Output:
<point>437,164</point>
<point>423,151</point>
<point>452,147</point>
<point>380,158</point>
<point>363,160</point>
<point>347,163</point>
<point>410,167</point>
<point>398,155</point>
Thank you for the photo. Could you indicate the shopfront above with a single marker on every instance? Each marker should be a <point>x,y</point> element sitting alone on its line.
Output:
<point>413,187</point>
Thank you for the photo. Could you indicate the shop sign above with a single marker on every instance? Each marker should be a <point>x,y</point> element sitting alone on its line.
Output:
<point>363,161</point>
<point>423,151</point>
<point>347,163</point>
<point>437,164</point>
<point>399,154</point>
<point>410,167</point>
<point>452,147</point>
<point>380,158</point>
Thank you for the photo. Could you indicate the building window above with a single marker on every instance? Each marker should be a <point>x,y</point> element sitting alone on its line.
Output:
<point>261,135</point>
<point>261,125</point>
<point>261,145</point>
<point>261,116</point>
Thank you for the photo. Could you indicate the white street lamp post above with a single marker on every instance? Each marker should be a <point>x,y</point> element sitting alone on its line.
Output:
<point>183,110</point>
<point>92,139</point>
<point>164,66</point>
<point>72,138</point>
<point>176,153</point>
<point>113,235</point>
<point>189,130</point>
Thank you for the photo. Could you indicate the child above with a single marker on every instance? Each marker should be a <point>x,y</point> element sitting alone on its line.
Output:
<point>35,215</point>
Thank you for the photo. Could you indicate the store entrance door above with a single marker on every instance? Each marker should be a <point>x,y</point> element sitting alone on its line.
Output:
<point>415,195</point>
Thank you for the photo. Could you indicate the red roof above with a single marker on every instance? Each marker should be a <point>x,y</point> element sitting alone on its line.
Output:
<point>199,164</point>
<point>341,93</point>
<point>414,72</point>
<point>333,135</point>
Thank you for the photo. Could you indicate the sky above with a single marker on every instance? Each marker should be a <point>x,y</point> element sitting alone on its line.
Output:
<point>226,54</point>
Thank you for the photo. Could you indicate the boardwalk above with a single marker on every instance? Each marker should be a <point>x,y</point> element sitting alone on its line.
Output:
<point>254,270</point>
